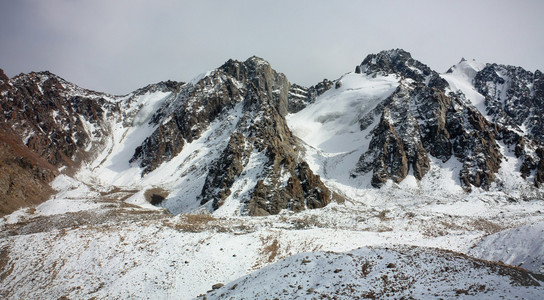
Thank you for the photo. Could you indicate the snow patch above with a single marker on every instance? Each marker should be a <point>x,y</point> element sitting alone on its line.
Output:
<point>522,246</point>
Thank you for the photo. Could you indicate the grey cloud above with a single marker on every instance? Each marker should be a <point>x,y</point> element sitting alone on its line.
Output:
<point>119,46</point>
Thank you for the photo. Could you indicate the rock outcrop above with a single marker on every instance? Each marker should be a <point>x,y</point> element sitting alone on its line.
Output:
<point>300,97</point>
<point>259,97</point>
<point>421,120</point>
<point>49,124</point>
<point>45,124</point>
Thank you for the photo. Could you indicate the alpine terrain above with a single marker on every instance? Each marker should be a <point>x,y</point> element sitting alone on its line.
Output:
<point>392,181</point>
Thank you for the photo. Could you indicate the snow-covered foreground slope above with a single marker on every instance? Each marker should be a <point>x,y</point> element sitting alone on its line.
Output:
<point>384,273</point>
<point>117,251</point>
<point>522,246</point>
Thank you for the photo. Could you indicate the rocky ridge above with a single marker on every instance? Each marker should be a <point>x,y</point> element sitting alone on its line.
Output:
<point>50,125</point>
<point>300,97</point>
<point>46,124</point>
<point>424,119</point>
<point>260,96</point>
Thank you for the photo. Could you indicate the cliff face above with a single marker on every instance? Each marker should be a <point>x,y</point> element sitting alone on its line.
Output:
<point>259,95</point>
<point>422,120</point>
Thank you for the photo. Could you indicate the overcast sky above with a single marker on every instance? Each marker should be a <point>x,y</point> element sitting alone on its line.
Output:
<point>119,46</point>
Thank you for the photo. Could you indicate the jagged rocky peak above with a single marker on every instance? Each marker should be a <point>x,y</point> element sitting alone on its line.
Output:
<point>247,101</point>
<point>514,98</point>
<point>419,121</point>
<point>401,63</point>
<point>286,181</point>
<point>206,99</point>
<point>396,61</point>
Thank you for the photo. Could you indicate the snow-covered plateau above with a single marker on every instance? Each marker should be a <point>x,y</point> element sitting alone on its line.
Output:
<point>428,234</point>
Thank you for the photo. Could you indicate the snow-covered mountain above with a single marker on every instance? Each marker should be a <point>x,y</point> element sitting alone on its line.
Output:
<point>392,154</point>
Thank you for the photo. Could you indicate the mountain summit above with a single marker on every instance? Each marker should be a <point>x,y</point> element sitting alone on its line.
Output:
<point>241,139</point>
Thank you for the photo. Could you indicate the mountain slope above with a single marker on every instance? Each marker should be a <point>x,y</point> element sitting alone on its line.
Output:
<point>383,273</point>
<point>511,98</point>
<point>57,126</point>
<point>424,123</point>
<point>219,141</point>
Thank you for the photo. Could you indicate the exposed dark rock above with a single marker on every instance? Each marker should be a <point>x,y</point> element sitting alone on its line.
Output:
<point>42,128</point>
<point>261,97</point>
<point>51,110</point>
<point>300,97</point>
<point>513,97</point>
<point>358,70</point>
<point>222,175</point>
<point>24,175</point>
<point>418,121</point>
<point>46,123</point>
<point>161,146</point>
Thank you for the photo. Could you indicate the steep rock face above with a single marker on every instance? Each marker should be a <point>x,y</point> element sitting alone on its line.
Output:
<point>259,97</point>
<point>46,123</point>
<point>184,118</point>
<point>419,121</point>
<point>513,97</point>
<point>285,182</point>
<point>54,118</point>
<point>300,97</point>
<point>514,100</point>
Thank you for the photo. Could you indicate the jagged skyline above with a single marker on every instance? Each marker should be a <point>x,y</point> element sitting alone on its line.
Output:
<point>120,46</point>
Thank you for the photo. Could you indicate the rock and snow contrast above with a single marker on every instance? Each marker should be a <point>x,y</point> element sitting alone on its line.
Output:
<point>391,181</point>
